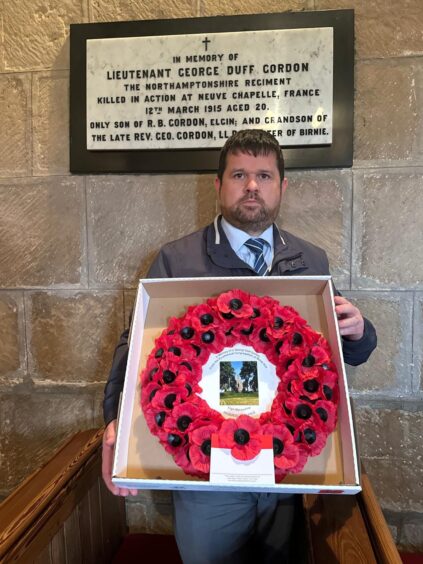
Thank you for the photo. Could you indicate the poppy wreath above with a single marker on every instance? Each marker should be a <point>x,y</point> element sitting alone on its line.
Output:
<point>304,409</point>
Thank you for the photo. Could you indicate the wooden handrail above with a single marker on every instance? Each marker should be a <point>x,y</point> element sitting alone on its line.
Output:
<point>379,532</point>
<point>34,495</point>
<point>347,528</point>
<point>63,511</point>
<point>337,532</point>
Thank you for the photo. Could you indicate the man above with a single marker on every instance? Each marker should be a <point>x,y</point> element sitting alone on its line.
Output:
<point>215,527</point>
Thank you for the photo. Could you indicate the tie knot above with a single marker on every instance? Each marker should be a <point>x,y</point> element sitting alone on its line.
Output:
<point>256,246</point>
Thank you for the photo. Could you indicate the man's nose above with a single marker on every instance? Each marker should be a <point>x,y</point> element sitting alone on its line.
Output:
<point>251,183</point>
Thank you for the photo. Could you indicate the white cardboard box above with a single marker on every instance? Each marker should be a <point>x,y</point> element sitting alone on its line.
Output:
<point>141,462</point>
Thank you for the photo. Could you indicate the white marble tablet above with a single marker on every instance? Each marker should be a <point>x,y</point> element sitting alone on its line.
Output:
<point>193,91</point>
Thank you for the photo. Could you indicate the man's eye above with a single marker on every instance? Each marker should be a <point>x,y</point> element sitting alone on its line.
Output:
<point>264,176</point>
<point>239,175</point>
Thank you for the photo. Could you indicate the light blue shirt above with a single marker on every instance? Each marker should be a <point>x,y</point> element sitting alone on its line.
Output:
<point>237,238</point>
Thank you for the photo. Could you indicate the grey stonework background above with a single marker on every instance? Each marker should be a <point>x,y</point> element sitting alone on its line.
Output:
<point>73,247</point>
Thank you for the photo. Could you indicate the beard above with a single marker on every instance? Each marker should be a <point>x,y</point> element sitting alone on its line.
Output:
<point>253,221</point>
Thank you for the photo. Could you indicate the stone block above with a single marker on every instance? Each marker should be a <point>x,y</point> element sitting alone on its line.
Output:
<point>411,539</point>
<point>12,350</point>
<point>383,29</point>
<point>98,402</point>
<point>149,518</point>
<point>388,369</point>
<point>118,10</point>
<point>317,207</point>
<point>72,335</point>
<point>136,517</point>
<point>389,432</point>
<point>387,113</point>
<point>397,483</point>
<point>388,223</point>
<point>32,425</point>
<point>131,217</point>
<point>36,33</point>
<point>51,123</point>
<point>15,130</point>
<point>156,497</point>
<point>394,532</point>
<point>42,232</point>
<point>418,343</point>
<point>235,7</point>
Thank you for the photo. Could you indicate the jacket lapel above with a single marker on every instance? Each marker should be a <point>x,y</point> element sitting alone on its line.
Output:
<point>287,258</point>
<point>221,253</point>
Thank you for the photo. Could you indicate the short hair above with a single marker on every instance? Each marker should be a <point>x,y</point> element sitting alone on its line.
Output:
<point>254,142</point>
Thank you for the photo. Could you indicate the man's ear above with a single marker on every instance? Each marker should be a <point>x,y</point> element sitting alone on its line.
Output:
<point>217,186</point>
<point>284,185</point>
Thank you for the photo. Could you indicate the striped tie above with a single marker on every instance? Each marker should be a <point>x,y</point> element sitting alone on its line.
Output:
<point>256,246</point>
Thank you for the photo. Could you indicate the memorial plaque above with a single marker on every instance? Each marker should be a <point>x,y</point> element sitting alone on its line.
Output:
<point>172,92</point>
<point>164,95</point>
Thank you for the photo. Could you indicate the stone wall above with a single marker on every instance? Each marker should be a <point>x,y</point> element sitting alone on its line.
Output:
<point>73,247</point>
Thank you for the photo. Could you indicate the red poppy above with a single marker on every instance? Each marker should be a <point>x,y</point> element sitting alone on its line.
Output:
<point>148,373</point>
<point>182,416</point>
<point>203,316</point>
<point>174,442</point>
<point>302,459</point>
<point>183,459</point>
<point>327,414</point>
<point>279,475</point>
<point>284,319</point>
<point>155,420</point>
<point>201,446</point>
<point>241,435</point>
<point>148,392</point>
<point>288,368</point>
<point>311,437</point>
<point>330,386</point>
<point>235,303</point>
<point>304,367</point>
<point>263,306</point>
<point>285,452</point>
<point>167,397</point>
<point>321,354</point>
<point>173,326</point>
<point>259,339</point>
<point>213,340</point>
<point>308,387</point>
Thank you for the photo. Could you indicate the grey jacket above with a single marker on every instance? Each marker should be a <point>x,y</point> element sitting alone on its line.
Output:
<point>208,253</point>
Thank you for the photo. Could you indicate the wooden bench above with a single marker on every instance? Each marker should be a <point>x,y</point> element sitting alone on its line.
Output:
<point>64,514</point>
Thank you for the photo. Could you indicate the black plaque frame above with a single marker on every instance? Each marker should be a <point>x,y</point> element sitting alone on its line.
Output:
<point>338,154</point>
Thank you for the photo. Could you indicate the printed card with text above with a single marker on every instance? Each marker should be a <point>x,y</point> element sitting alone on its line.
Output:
<point>225,469</point>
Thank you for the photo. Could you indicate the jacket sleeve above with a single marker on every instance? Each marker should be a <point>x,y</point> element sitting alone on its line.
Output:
<point>357,352</point>
<point>114,386</point>
<point>116,379</point>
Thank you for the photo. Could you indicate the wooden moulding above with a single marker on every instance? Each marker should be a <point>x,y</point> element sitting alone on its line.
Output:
<point>336,529</point>
<point>379,533</point>
<point>345,529</point>
<point>53,490</point>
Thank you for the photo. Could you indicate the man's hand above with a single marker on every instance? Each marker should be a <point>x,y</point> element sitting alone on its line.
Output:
<point>109,439</point>
<point>350,320</point>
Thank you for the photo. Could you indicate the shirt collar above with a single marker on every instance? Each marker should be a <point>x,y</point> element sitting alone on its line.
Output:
<point>237,237</point>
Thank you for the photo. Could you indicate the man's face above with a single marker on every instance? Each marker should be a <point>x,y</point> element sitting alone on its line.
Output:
<point>250,192</point>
